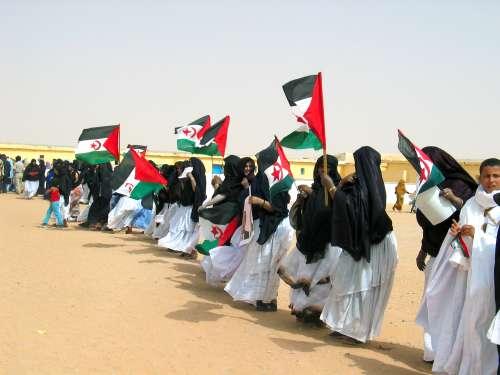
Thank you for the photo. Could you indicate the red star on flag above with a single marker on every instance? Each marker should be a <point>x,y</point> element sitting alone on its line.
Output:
<point>277,171</point>
<point>216,231</point>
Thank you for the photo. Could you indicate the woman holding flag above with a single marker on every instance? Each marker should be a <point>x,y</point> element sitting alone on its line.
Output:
<point>256,280</point>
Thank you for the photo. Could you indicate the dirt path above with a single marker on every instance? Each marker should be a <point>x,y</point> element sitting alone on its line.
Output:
<point>80,302</point>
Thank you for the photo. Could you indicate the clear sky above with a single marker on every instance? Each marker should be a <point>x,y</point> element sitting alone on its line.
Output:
<point>428,67</point>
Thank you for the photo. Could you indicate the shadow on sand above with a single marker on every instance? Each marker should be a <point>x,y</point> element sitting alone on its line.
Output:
<point>192,279</point>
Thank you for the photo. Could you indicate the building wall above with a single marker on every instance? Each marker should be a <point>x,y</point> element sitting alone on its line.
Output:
<point>393,167</point>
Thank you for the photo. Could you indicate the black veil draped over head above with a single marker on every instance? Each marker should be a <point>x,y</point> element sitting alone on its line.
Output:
<point>463,186</point>
<point>450,168</point>
<point>314,222</point>
<point>231,186</point>
<point>200,193</point>
<point>269,221</point>
<point>359,218</point>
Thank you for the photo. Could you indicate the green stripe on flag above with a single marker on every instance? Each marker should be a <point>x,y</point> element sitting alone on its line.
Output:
<point>301,140</point>
<point>435,178</point>
<point>210,150</point>
<point>205,247</point>
<point>283,185</point>
<point>143,189</point>
<point>95,157</point>
<point>185,145</point>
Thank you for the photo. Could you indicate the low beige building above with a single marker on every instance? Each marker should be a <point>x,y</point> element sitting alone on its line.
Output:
<point>394,166</point>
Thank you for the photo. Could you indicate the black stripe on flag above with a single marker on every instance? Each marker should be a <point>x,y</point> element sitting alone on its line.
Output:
<point>211,132</point>
<point>298,89</point>
<point>267,157</point>
<point>220,214</point>
<point>201,121</point>
<point>122,171</point>
<point>406,147</point>
<point>97,133</point>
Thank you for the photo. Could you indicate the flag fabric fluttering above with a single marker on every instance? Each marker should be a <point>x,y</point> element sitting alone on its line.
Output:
<point>99,145</point>
<point>428,173</point>
<point>135,177</point>
<point>302,138</point>
<point>305,97</point>
<point>140,149</point>
<point>188,136</point>
<point>203,139</point>
<point>217,225</point>
<point>275,166</point>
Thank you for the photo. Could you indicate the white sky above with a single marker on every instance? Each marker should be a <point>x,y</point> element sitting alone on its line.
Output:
<point>428,67</point>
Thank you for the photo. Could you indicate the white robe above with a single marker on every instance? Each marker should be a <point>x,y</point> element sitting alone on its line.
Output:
<point>360,291</point>
<point>294,266</point>
<point>123,213</point>
<point>257,279</point>
<point>162,220</point>
<point>223,261</point>
<point>183,233</point>
<point>472,352</point>
<point>30,188</point>
<point>442,302</point>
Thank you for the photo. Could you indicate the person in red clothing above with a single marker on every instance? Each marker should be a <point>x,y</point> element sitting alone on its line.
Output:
<point>54,206</point>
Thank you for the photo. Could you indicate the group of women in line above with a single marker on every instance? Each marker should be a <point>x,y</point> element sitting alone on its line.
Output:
<point>337,251</point>
<point>338,256</point>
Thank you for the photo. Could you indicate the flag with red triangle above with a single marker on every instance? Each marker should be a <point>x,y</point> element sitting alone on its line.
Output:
<point>428,173</point>
<point>217,225</point>
<point>204,139</point>
<point>273,163</point>
<point>99,145</point>
<point>305,97</point>
<point>135,177</point>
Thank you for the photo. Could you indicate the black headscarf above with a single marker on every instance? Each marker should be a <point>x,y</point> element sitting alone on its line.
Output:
<point>450,168</point>
<point>200,193</point>
<point>32,171</point>
<point>231,186</point>
<point>269,221</point>
<point>463,186</point>
<point>314,219</point>
<point>358,210</point>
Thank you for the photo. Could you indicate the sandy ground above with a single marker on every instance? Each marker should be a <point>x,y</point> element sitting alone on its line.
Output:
<point>80,302</point>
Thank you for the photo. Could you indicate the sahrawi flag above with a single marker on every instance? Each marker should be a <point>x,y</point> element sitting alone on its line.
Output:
<point>273,162</point>
<point>217,225</point>
<point>99,145</point>
<point>428,173</point>
<point>203,139</point>
<point>135,177</point>
<point>305,97</point>
<point>188,136</point>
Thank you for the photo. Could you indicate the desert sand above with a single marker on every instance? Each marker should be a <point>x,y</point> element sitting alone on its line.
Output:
<point>81,302</point>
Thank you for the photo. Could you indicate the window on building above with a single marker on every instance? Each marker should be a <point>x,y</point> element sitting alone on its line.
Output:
<point>302,171</point>
<point>217,169</point>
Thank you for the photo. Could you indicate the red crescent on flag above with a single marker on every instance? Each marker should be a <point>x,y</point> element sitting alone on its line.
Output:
<point>189,132</point>
<point>129,186</point>
<point>96,145</point>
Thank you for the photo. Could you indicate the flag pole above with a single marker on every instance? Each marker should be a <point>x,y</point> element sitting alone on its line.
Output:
<point>325,170</point>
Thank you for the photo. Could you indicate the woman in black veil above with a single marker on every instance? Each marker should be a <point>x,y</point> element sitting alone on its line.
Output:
<point>363,247</point>
<point>239,178</point>
<point>306,267</point>
<point>183,232</point>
